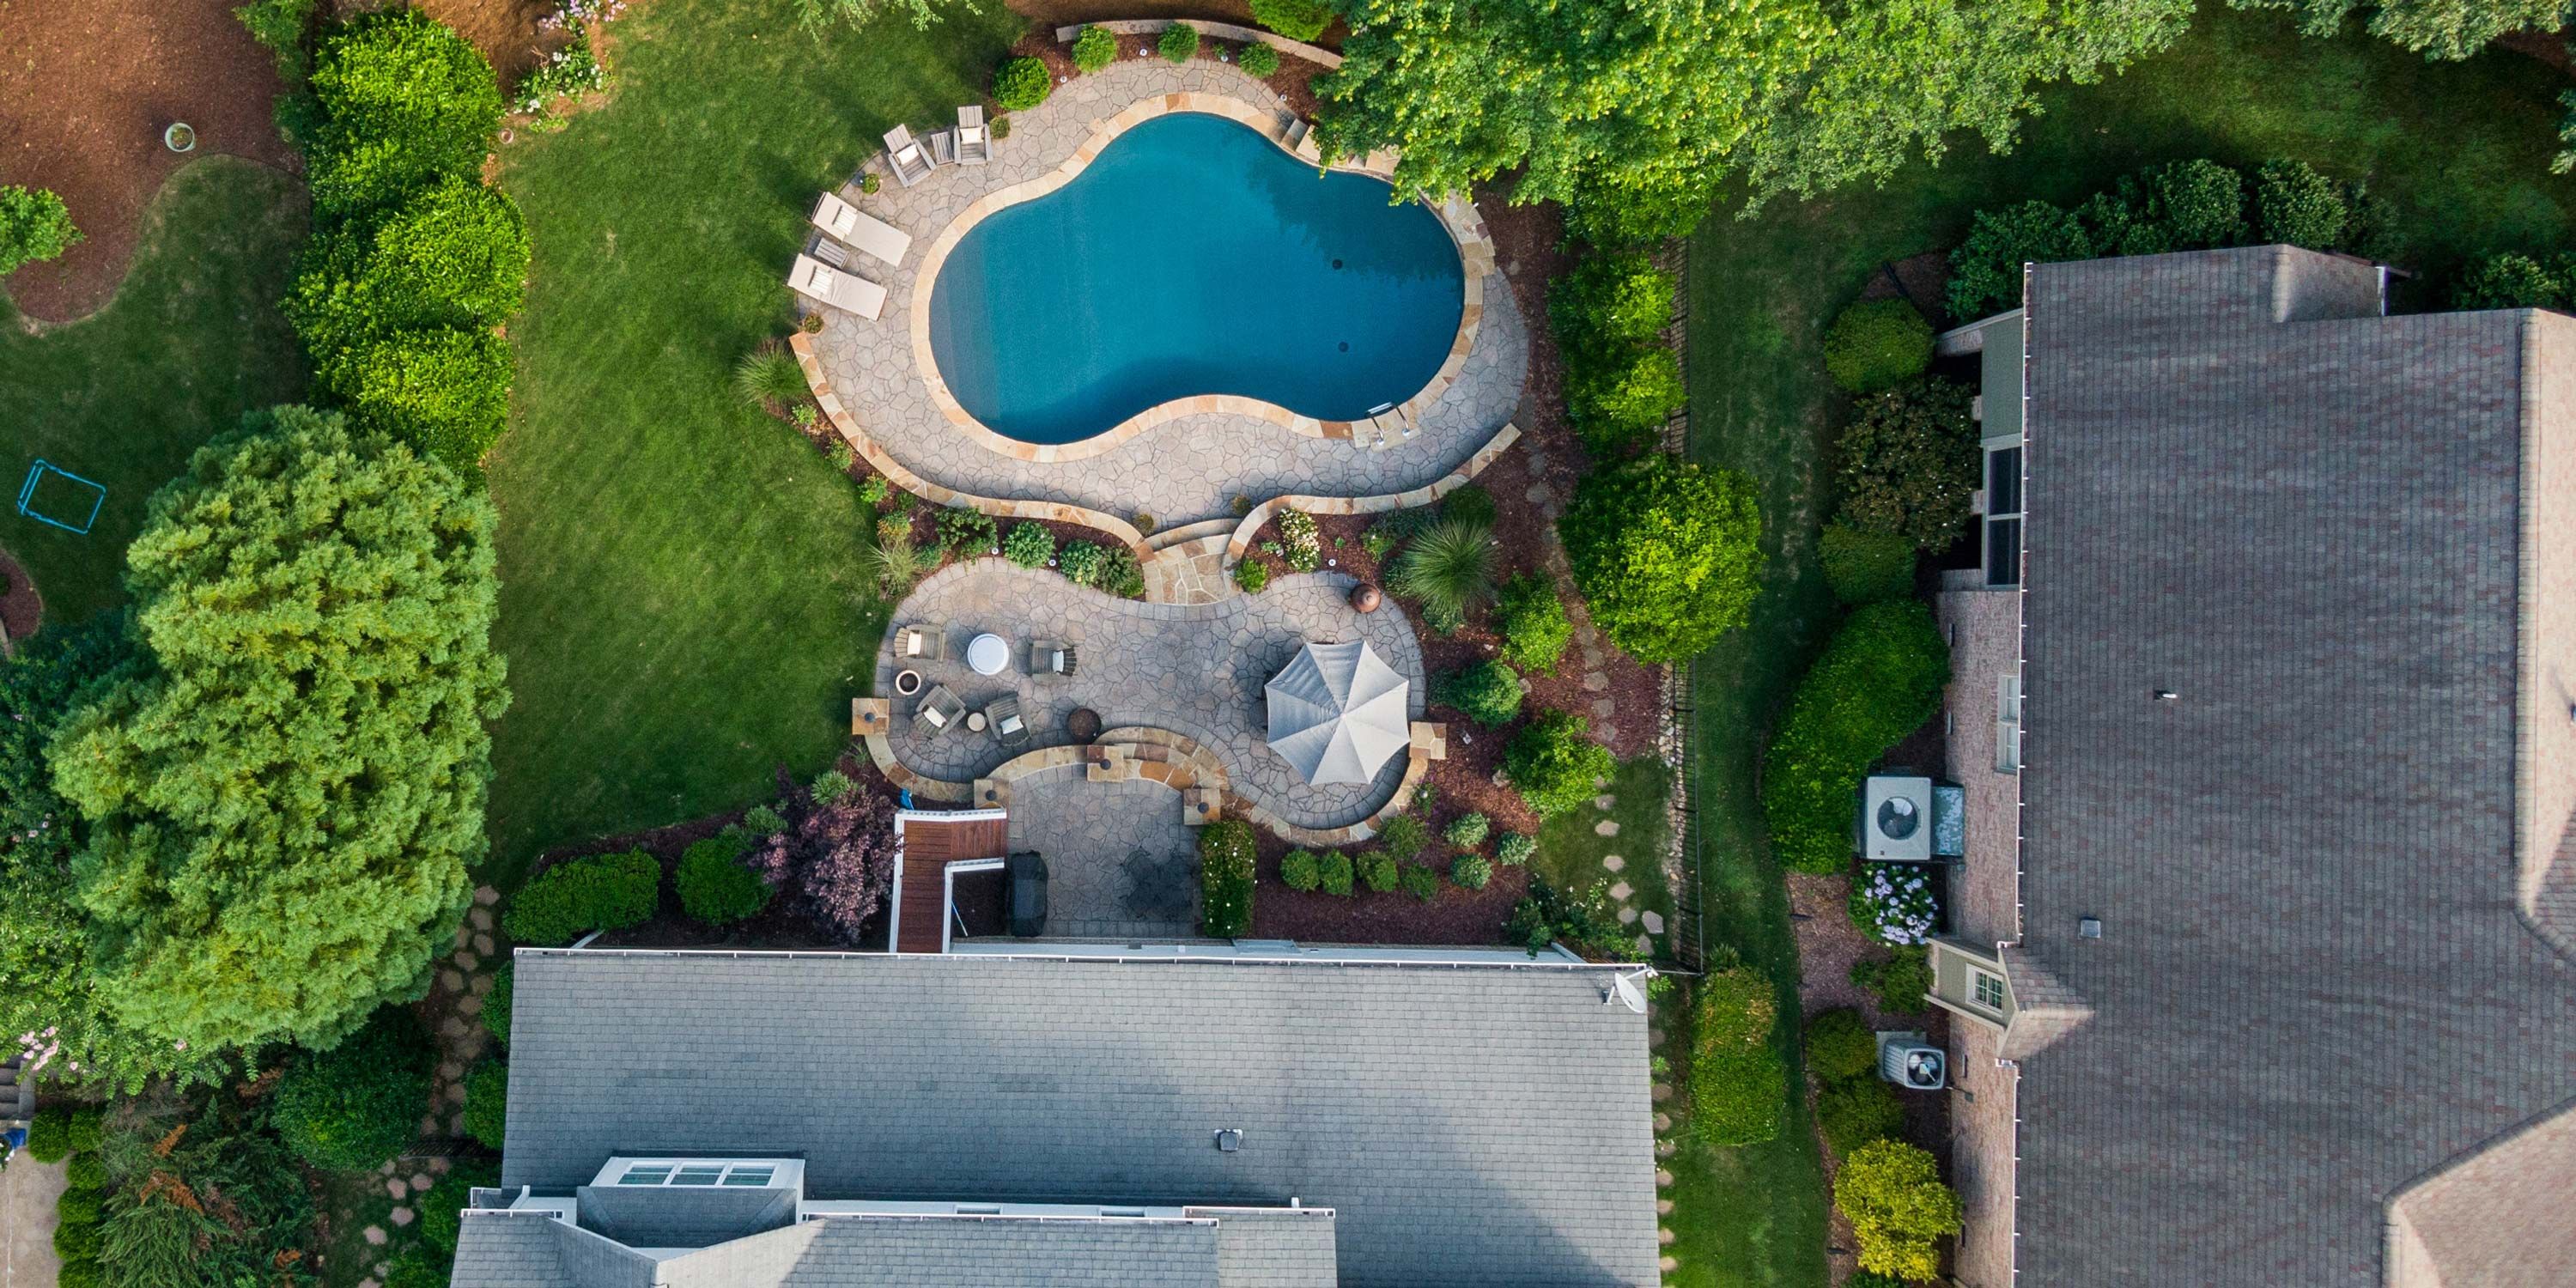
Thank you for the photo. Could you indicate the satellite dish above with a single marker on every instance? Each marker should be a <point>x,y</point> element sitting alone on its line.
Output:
<point>1623,989</point>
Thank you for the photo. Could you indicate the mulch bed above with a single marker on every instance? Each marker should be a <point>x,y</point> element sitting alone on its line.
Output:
<point>22,608</point>
<point>1294,80</point>
<point>505,30</point>
<point>84,95</point>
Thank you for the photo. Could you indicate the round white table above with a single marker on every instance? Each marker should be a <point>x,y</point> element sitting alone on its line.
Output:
<point>987,654</point>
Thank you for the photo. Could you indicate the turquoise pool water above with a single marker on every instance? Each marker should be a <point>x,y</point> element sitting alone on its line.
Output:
<point>1193,256</point>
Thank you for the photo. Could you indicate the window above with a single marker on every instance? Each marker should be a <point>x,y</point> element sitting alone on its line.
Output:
<point>2003,517</point>
<point>645,1176</point>
<point>2008,723</point>
<point>754,1176</point>
<point>1110,1211</point>
<point>1988,987</point>
<point>699,1174</point>
<point>977,1209</point>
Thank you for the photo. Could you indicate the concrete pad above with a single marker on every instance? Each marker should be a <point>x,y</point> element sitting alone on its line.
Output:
<point>28,1191</point>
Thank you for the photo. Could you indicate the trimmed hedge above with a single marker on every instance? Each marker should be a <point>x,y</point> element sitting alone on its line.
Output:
<point>354,1106</point>
<point>84,1273</point>
<point>1418,880</point>
<point>1856,1111</point>
<point>1621,382</point>
<point>49,1136</point>
<point>2295,204</point>
<point>1515,849</point>
<point>77,1207</point>
<point>1910,463</point>
<point>715,887</point>
<point>78,1242</point>
<point>1738,1081</point>
<point>487,1102</point>
<point>1878,680</point>
<point>87,1128</point>
<point>1301,870</point>
<point>1532,622</point>
<point>1094,49</point>
<point>1377,871</point>
<point>1022,83</point>
<point>1892,1194</point>
<point>574,897</point>
<point>1986,269</point>
<point>443,390</point>
<point>1487,692</point>
<point>1553,762</point>
<point>1471,871</point>
<point>399,103</point>
<point>86,1171</point>
<point>1866,567</point>
<point>1403,837</point>
<point>1298,20</point>
<point>1664,554</point>
<point>1840,1045</point>
<point>1258,60</point>
<point>1467,831</point>
<point>1334,873</point>
<point>1179,42</point>
<point>1877,345</point>
<point>1226,878</point>
<point>496,1004</point>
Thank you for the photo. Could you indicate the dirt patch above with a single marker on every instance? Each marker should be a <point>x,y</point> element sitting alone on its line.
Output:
<point>22,609</point>
<point>505,30</point>
<point>84,96</point>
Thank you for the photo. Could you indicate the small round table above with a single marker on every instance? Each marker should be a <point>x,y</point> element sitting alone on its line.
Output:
<point>975,722</point>
<point>987,654</point>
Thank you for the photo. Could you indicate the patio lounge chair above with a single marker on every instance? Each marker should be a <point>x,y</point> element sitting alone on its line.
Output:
<point>860,230</point>
<point>939,712</point>
<point>905,157</point>
<point>974,142</point>
<point>919,643</point>
<point>836,287</point>
<point>943,147</point>
<point>1004,719</point>
<point>1050,659</point>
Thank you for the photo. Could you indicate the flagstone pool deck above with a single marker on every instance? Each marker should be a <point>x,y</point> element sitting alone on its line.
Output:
<point>1185,463</point>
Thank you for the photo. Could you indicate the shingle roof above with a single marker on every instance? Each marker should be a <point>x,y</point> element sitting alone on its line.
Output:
<point>2312,985</point>
<point>1474,1125</point>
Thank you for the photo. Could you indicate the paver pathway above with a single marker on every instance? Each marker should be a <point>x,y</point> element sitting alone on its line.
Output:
<point>1187,469</point>
<point>1197,670</point>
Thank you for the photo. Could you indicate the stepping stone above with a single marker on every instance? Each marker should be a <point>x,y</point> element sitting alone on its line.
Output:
<point>456,1125</point>
<point>1665,1149</point>
<point>1668,1264</point>
<point>1622,891</point>
<point>398,1189</point>
<point>1538,494</point>
<point>1627,917</point>
<point>1606,827</point>
<point>463,936</point>
<point>369,1283</point>
<point>454,1095</point>
<point>486,896</point>
<point>1663,1179</point>
<point>1604,708</point>
<point>1613,862</point>
<point>1645,944</point>
<point>1596,682</point>
<point>483,944</point>
<point>1599,783</point>
<point>466,960</point>
<point>454,1027</point>
<point>1664,1207</point>
<point>471,1045</point>
<point>387,1169</point>
<point>470,1006</point>
<point>420,1182</point>
<point>1654,923</point>
<point>1654,1036</point>
<point>1663,1122</point>
<point>479,918</point>
<point>401,1216</point>
<point>1606,732</point>
<point>383,1270</point>
<point>480,985</point>
<point>1604,801</point>
<point>438,1166</point>
<point>452,980</point>
<point>374,1234</point>
<point>1664,1236</point>
<point>1662,1092</point>
<point>428,1127</point>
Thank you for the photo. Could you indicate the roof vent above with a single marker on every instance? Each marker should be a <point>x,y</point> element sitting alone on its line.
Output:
<point>1229,1139</point>
<point>2167,695</point>
<point>2089,928</point>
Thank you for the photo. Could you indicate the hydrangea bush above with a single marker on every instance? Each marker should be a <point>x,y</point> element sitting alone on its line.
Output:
<point>1894,903</point>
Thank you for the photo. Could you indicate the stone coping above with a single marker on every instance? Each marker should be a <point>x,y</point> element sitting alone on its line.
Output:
<point>1316,54</point>
<point>1465,227</point>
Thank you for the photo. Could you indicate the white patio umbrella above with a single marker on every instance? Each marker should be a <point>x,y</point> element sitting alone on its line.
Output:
<point>1338,712</point>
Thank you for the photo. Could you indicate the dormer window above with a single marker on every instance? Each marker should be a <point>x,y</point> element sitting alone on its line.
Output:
<point>699,1175</point>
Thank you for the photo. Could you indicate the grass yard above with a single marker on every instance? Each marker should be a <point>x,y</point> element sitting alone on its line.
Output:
<point>192,340</point>
<point>682,600</point>
<point>2461,150</point>
<point>1570,846</point>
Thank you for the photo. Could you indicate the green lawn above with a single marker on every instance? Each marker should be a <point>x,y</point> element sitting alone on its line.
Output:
<point>682,603</point>
<point>1570,848</point>
<point>2461,150</point>
<point>191,341</point>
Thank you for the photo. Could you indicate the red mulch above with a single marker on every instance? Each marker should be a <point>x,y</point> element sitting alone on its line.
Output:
<point>85,92</point>
<point>505,30</point>
<point>22,608</point>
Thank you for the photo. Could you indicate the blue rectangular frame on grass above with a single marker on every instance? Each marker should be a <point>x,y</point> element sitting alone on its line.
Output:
<point>36,476</point>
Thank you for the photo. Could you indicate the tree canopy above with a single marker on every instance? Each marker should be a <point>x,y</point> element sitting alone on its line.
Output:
<point>1664,553</point>
<point>284,791</point>
<point>2433,28</point>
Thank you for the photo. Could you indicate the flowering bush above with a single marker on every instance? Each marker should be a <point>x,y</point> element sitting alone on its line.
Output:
<point>581,13</point>
<point>1894,903</point>
<point>573,69</point>
<point>835,851</point>
<point>1299,543</point>
<point>1225,878</point>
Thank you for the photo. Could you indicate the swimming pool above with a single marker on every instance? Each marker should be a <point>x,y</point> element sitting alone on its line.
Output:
<point>1193,256</point>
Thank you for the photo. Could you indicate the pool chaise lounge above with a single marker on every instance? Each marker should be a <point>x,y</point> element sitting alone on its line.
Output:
<point>837,287</point>
<point>860,230</point>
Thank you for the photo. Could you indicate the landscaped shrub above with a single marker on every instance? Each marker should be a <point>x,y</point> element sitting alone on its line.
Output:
<point>966,531</point>
<point>1878,680</point>
<point>1610,301</point>
<point>2200,203</point>
<point>86,1171</point>
<point>1487,692</point>
<point>77,1207</point>
<point>487,1102</point>
<point>1179,42</point>
<point>452,256</point>
<point>2123,220</point>
<point>1300,20</point>
<point>1467,503</point>
<point>1840,1045</point>
<point>88,1124</point>
<point>1623,397</point>
<point>1985,271</point>
<point>2299,206</point>
<point>496,1004</point>
<point>1856,1111</point>
<point>1225,878</point>
<point>1532,622</point>
<point>84,1273</point>
<point>1301,870</point>
<point>1553,762</point>
<point>441,1216</point>
<point>576,896</point>
<point>1377,871</point>
<point>1869,1279</point>
<point>1419,881</point>
<point>1899,983</point>
<point>1664,554</point>
<point>566,73</point>
<point>1467,831</point>
<point>1029,545</point>
<point>1022,83</point>
<point>279,25</point>
<point>2517,282</point>
<point>1120,574</point>
<point>1094,49</point>
<point>715,887</point>
<point>415,1267</point>
<point>1584,922</point>
<point>444,391</point>
<point>1471,871</point>
<point>78,1242</point>
<point>1082,562</point>
<point>896,562</point>
<point>1515,849</point>
<point>400,102</point>
<point>1301,544</point>
<point>769,374</point>
<point>1910,462</point>
<point>1448,570</point>
<point>1877,345</point>
<point>49,1135</point>
<point>1866,567</point>
<point>357,1104</point>
<point>833,848</point>
<point>1738,1082</point>
<point>1892,1194</point>
<point>1893,903</point>
<point>1252,576</point>
<point>1333,872</point>
<point>1403,837</point>
<point>1258,60</point>
<point>35,225</point>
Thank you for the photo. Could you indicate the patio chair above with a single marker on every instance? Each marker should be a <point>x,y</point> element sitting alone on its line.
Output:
<point>1007,724</point>
<point>939,712</point>
<point>943,147</point>
<point>920,643</point>
<point>1050,659</point>
<point>974,142</point>
<point>860,230</point>
<point>836,287</point>
<point>903,156</point>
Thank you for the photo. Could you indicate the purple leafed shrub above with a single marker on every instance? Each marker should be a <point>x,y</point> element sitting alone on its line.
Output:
<point>835,858</point>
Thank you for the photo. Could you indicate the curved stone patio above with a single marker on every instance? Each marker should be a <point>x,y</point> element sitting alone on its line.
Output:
<point>1194,670</point>
<point>1190,463</point>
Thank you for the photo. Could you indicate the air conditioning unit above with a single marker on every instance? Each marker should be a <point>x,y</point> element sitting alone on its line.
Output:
<point>1896,819</point>
<point>1907,1061</point>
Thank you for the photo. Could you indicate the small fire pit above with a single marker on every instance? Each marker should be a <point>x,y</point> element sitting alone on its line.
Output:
<point>1083,724</point>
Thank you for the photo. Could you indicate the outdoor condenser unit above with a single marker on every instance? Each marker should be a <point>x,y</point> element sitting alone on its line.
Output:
<point>1913,1065</point>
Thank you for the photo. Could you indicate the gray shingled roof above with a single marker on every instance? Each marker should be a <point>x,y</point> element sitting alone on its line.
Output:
<point>1469,1125</point>
<point>2312,986</point>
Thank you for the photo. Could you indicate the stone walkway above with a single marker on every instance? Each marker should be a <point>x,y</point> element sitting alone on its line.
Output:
<point>1120,863</point>
<point>1185,469</point>
<point>1198,670</point>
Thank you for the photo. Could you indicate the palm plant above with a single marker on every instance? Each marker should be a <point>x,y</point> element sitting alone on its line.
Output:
<point>1448,570</point>
<point>769,375</point>
<point>897,564</point>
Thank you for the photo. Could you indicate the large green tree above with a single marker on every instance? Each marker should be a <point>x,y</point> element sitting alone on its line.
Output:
<point>1664,553</point>
<point>2433,28</point>
<point>284,794</point>
<point>1636,112</point>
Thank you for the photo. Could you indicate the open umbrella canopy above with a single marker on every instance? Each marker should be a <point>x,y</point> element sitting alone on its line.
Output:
<point>1338,712</point>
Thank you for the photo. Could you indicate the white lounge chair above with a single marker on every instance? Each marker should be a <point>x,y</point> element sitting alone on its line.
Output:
<point>974,142</point>
<point>836,287</point>
<point>860,230</point>
<point>905,157</point>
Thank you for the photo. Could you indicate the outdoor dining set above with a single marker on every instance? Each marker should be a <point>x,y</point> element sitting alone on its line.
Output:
<point>940,711</point>
<point>830,276</point>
